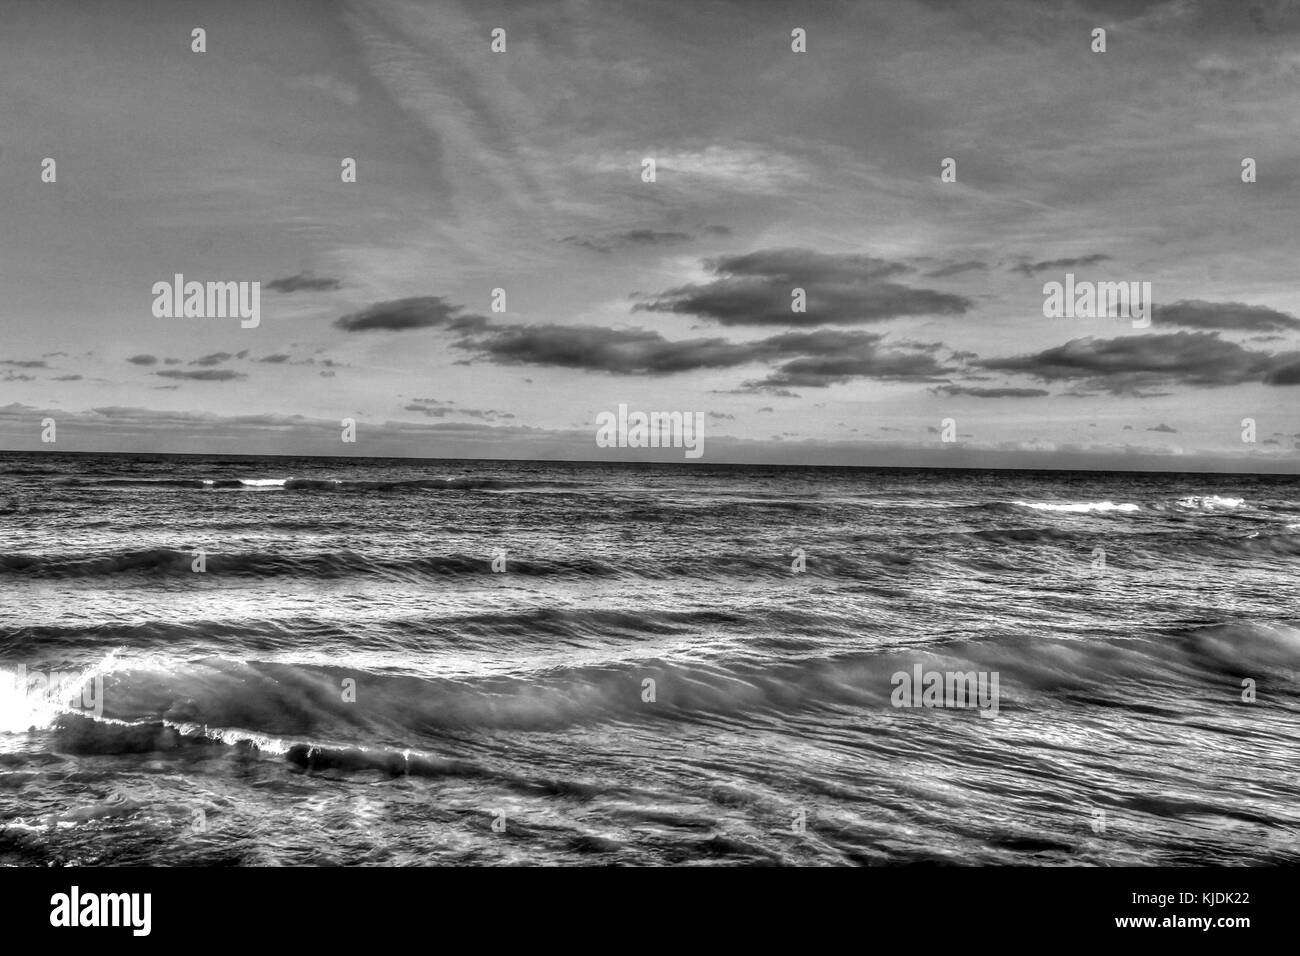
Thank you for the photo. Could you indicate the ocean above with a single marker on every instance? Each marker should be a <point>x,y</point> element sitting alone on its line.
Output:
<point>211,660</point>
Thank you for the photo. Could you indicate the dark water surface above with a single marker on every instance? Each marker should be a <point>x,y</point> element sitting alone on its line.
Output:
<point>350,682</point>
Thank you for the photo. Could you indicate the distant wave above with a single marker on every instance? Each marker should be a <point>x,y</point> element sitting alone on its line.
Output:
<point>340,564</point>
<point>1188,503</point>
<point>319,484</point>
<point>1210,503</point>
<point>1079,506</point>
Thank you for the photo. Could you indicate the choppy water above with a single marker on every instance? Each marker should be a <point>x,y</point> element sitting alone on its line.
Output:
<point>215,727</point>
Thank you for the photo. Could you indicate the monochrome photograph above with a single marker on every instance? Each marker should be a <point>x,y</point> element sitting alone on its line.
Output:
<point>659,434</point>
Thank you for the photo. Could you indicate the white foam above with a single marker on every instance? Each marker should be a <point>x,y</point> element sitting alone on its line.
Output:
<point>35,699</point>
<point>1210,502</point>
<point>1079,507</point>
<point>231,737</point>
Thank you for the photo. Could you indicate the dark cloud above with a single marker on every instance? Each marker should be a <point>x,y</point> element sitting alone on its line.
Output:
<point>599,349</point>
<point>215,358</point>
<point>400,315</point>
<point>1030,268</point>
<point>810,358</point>
<point>990,392</point>
<point>203,375</point>
<point>1195,314</point>
<point>821,371</point>
<point>829,356</point>
<point>1210,17</point>
<point>436,408</point>
<point>279,358</point>
<point>956,268</point>
<point>755,289</point>
<point>143,360</point>
<point>1132,364</point>
<point>632,237</point>
<point>304,283</point>
<point>1288,374</point>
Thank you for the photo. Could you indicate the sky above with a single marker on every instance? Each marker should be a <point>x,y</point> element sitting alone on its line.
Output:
<point>774,170</point>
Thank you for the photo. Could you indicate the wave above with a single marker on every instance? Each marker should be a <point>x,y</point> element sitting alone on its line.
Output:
<point>1210,503</point>
<point>321,484</point>
<point>341,564</point>
<point>275,707</point>
<point>1079,506</point>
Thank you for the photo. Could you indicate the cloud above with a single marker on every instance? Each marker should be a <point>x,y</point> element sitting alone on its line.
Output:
<point>436,408</point>
<point>756,289</point>
<point>735,168</point>
<point>303,283</point>
<point>331,86</point>
<point>143,360</point>
<point>956,268</point>
<point>633,237</point>
<point>990,392</point>
<point>215,358</point>
<point>24,363</point>
<point>279,358</point>
<point>68,378</point>
<point>1132,363</point>
<point>1029,268</point>
<point>1288,374</point>
<point>810,358</point>
<point>599,349</point>
<point>203,375</point>
<point>1235,316</point>
<point>400,315</point>
<point>821,371</point>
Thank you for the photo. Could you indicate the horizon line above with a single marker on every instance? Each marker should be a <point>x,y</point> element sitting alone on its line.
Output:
<point>671,463</point>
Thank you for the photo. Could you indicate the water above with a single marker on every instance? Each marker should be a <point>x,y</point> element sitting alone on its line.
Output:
<point>507,717</point>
